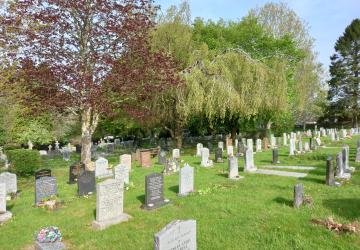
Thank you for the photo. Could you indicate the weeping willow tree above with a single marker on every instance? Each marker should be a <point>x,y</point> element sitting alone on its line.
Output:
<point>234,86</point>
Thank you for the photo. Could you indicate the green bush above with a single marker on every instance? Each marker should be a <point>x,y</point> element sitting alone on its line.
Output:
<point>23,161</point>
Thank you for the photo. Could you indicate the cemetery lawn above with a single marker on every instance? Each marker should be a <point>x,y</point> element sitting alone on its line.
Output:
<point>252,213</point>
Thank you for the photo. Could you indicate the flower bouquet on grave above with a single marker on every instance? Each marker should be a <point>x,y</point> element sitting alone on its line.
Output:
<point>48,235</point>
<point>51,202</point>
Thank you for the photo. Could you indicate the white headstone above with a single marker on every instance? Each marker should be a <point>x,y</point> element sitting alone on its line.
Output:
<point>306,147</point>
<point>109,204</point>
<point>199,147</point>
<point>176,153</point>
<point>125,159</point>
<point>292,146</point>
<point>205,162</point>
<point>284,139</point>
<point>273,141</point>
<point>122,173</point>
<point>258,145</point>
<point>249,161</point>
<point>10,181</point>
<point>221,145</point>
<point>186,180</point>
<point>177,235</point>
<point>101,168</point>
<point>42,152</point>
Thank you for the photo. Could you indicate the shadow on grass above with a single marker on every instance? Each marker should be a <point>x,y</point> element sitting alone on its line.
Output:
<point>315,180</point>
<point>347,208</point>
<point>225,175</point>
<point>141,198</point>
<point>174,189</point>
<point>283,201</point>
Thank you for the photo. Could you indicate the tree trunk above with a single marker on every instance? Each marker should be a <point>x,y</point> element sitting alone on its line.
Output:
<point>178,137</point>
<point>233,133</point>
<point>268,129</point>
<point>89,120</point>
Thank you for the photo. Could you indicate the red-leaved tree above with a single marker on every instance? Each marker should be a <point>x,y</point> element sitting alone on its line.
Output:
<point>87,56</point>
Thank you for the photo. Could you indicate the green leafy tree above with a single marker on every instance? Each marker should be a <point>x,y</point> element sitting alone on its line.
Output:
<point>345,75</point>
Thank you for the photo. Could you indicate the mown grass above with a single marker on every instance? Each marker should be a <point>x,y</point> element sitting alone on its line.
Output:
<point>253,213</point>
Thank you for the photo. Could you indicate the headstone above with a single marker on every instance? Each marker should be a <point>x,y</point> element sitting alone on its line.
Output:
<point>300,147</point>
<point>318,141</point>
<point>172,166</point>
<point>275,156</point>
<point>125,159</point>
<point>66,152</point>
<point>74,171</point>
<point>109,204</point>
<point>357,159</point>
<point>162,157</point>
<point>230,151</point>
<point>221,145</point>
<point>273,141</point>
<point>284,139</point>
<point>145,158</point>
<point>199,147</point>
<point>10,182</point>
<point>101,168</point>
<point>121,172</point>
<point>340,173</point>
<point>176,153</point>
<point>186,180</point>
<point>218,155</point>
<point>358,143</point>
<point>258,145</point>
<point>30,145</point>
<point>45,187</point>
<point>330,179</point>
<point>346,166</point>
<point>43,152</point>
<point>86,183</point>
<point>298,195</point>
<point>205,162</point>
<point>234,169</point>
<point>306,147</point>
<point>4,215</point>
<point>312,145</point>
<point>292,146</point>
<point>177,235</point>
<point>249,161</point>
<point>154,191</point>
<point>42,173</point>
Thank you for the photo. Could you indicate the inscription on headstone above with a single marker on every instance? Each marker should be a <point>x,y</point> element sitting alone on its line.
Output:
<point>177,235</point>
<point>45,187</point>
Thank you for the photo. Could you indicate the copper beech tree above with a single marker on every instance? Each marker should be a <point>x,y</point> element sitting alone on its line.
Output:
<point>87,56</point>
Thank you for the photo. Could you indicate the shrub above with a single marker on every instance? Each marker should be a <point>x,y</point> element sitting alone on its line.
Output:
<point>23,161</point>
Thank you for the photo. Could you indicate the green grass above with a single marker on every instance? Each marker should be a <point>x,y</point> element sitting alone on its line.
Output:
<point>253,213</point>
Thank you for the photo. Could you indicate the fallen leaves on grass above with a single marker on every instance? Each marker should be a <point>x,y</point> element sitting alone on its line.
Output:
<point>332,225</point>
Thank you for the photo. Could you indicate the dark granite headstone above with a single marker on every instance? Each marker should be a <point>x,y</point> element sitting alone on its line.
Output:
<point>74,171</point>
<point>45,187</point>
<point>86,183</point>
<point>218,155</point>
<point>275,156</point>
<point>154,191</point>
<point>78,149</point>
<point>42,173</point>
<point>162,157</point>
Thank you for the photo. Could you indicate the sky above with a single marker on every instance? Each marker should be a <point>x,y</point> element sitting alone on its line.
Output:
<point>327,19</point>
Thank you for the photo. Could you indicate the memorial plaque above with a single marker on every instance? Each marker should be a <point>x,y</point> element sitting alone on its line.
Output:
<point>42,173</point>
<point>109,204</point>
<point>186,180</point>
<point>10,181</point>
<point>86,183</point>
<point>154,191</point>
<point>45,187</point>
<point>177,235</point>
<point>74,171</point>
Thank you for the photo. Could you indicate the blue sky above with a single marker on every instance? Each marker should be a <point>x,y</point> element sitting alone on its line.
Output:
<point>327,18</point>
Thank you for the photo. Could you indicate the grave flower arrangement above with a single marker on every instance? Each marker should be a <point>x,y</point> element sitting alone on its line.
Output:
<point>49,235</point>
